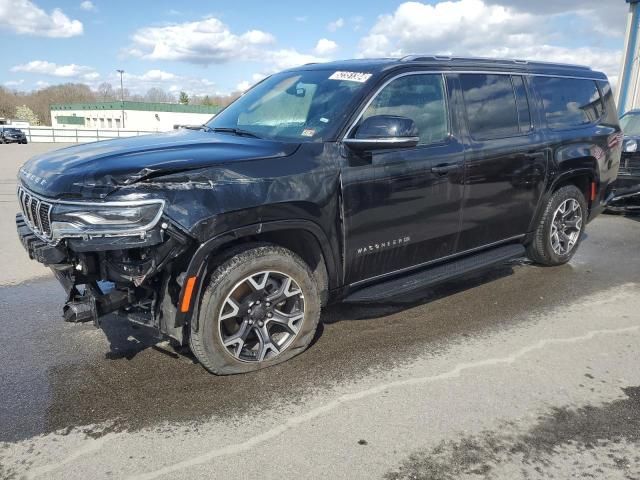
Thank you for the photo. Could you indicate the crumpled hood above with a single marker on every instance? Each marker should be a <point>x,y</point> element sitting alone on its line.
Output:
<point>96,169</point>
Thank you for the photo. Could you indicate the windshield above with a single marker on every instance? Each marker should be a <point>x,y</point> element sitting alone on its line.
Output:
<point>306,106</point>
<point>630,124</point>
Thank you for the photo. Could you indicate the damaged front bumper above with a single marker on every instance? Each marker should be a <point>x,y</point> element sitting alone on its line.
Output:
<point>627,194</point>
<point>137,276</point>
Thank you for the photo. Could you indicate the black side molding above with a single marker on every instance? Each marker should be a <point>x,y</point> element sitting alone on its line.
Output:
<point>436,274</point>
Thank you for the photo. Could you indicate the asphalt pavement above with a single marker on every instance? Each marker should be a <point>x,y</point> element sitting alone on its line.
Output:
<point>519,372</point>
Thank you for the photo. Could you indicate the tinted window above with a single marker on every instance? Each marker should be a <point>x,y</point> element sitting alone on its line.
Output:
<point>610,111</point>
<point>522,102</point>
<point>569,102</point>
<point>491,105</point>
<point>418,97</point>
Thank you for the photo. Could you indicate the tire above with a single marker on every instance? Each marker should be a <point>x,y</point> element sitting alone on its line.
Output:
<point>544,247</point>
<point>232,291</point>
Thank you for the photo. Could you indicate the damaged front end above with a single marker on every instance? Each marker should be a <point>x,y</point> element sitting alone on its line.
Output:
<point>627,185</point>
<point>118,256</point>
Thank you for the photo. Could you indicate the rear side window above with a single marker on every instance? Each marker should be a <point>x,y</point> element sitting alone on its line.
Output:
<point>491,105</point>
<point>610,112</point>
<point>569,102</point>
<point>419,97</point>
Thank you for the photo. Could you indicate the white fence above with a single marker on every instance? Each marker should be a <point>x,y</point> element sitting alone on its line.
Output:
<point>69,135</point>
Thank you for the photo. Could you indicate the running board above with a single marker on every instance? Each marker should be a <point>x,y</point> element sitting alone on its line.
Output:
<point>437,274</point>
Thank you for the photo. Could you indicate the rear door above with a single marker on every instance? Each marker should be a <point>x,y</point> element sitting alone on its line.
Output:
<point>505,160</point>
<point>402,206</point>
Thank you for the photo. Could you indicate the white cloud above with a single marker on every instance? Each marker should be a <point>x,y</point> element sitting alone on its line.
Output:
<point>476,28</point>
<point>246,84</point>
<point>606,17</point>
<point>72,70</point>
<point>26,18</point>
<point>168,81</point>
<point>87,6</point>
<point>243,86</point>
<point>13,83</point>
<point>336,24</point>
<point>325,47</point>
<point>158,76</point>
<point>302,18</point>
<point>42,84</point>
<point>289,57</point>
<point>205,41</point>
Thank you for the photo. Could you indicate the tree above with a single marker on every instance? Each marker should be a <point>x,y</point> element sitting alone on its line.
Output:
<point>184,98</point>
<point>25,114</point>
<point>105,92</point>
<point>157,95</point>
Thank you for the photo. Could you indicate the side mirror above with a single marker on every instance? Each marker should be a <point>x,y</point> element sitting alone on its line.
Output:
<point>384,131</point>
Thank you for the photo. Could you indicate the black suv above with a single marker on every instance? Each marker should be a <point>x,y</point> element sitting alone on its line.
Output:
<point>356,180</point>
<point>12,135</point>
<point>627,186</point>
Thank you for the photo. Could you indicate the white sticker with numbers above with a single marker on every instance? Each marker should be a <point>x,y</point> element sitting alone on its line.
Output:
<point>359,77</point>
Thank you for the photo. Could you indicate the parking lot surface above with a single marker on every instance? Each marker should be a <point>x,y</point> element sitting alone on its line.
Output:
<point>520,372</point>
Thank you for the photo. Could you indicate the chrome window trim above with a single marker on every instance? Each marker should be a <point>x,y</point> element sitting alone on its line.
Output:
<point>382,140</point>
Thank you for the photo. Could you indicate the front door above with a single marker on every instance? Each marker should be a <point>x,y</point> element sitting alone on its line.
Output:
<point>402,206</point>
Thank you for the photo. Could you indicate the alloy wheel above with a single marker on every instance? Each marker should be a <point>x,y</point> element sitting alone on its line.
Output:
<point>566,226</point>
<point>261,316</point>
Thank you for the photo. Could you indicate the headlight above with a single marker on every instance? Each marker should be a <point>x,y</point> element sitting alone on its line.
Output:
<point>116,218</point>
<point>630,146</point>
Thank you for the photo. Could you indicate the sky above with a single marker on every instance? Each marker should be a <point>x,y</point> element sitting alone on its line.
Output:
<point>218,47</point>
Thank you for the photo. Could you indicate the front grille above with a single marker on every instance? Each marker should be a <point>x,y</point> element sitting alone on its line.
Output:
<point>36,213</point>
<point>630,163</point>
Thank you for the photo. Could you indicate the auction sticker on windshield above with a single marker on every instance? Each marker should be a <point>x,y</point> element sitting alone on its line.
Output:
<point>359,77</point>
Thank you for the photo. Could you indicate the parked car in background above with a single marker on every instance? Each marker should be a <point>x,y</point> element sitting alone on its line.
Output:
<point>627,186</point>
<point>354,181</point>
<point>12,135</point>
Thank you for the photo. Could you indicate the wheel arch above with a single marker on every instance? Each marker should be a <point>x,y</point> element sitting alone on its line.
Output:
<point>582,177</point>
<point>303,237</point>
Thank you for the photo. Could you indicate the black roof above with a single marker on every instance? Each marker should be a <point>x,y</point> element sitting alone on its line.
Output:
<point>379,65</point>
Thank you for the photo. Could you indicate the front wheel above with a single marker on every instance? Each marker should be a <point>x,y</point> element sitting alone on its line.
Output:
<point>560,229</point>
<point>260,308</point>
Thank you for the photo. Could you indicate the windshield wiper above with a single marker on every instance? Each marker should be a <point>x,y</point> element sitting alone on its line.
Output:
<point>235,131</point>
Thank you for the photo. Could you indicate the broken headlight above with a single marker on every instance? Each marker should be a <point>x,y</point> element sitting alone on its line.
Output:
<point>630,146</point>
<point>109,218</point>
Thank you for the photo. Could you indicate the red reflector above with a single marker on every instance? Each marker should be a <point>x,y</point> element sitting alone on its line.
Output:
<point>594,191</point>
<point>188,292</point>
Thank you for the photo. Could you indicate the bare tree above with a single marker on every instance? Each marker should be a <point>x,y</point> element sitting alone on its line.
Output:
<point>106,92</point>
<point>157,95</point>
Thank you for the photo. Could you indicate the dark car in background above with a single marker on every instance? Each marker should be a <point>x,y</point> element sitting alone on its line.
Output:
<point>627,186</point>
<point>12,135</point>
<point>355,181</point>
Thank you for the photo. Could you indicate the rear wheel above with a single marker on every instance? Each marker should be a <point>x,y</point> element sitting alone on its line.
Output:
<point>260,308</point>
<point>560,229</point>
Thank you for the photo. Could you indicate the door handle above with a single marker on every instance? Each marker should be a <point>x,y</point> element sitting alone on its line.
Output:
<point>444,169</point>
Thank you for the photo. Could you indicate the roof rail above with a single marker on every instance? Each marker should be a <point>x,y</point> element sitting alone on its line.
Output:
<point>448,58</point>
